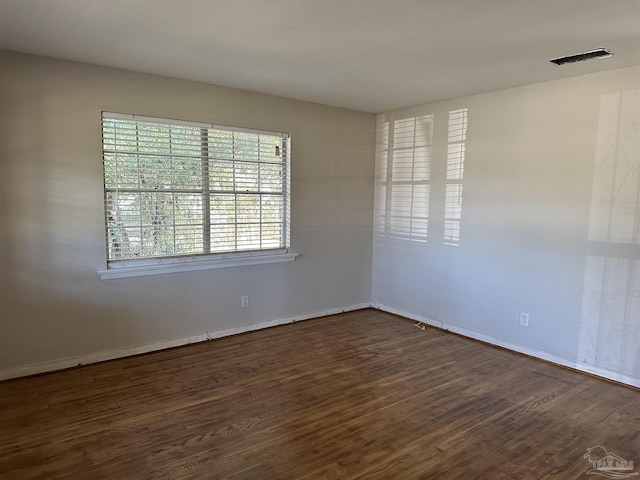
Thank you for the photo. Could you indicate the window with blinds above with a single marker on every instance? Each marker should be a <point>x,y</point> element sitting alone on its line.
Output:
<point>175,189</point>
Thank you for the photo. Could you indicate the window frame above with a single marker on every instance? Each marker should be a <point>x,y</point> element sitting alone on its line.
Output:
<point>204,259</point>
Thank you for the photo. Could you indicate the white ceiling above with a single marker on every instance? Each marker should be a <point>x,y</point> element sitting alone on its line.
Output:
<point>370,55</point>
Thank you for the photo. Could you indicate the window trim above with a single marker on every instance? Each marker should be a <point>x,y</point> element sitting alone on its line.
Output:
<point>206,260</point>
<point>157,266</point>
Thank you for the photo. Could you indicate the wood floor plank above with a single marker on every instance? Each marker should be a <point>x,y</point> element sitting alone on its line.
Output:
<point>361,395</point>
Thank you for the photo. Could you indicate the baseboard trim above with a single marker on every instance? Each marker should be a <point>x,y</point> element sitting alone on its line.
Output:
<point>69,362</point>
<point>546,356</point>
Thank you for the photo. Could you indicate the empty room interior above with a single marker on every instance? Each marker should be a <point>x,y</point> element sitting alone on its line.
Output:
<point>281,239</point>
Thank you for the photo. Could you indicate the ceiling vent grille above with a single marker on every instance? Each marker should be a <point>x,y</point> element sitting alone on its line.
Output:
<point>581,57</point>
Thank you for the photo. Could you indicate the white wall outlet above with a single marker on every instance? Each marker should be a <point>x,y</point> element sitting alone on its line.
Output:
<point>244,301</point>
<point>524,319</point>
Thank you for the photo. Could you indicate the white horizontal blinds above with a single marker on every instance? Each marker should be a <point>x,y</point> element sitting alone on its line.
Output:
<point>247,183</point>
<point>409,173</point>
<point>457,135</point>
<point>174,188</point>
<point>153,189</point>
<point>285,153</point>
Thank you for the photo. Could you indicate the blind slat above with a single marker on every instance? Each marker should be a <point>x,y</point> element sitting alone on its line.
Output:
<point>181,188</point>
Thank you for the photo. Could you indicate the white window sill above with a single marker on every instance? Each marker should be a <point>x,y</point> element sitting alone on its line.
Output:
<point>159,267</point>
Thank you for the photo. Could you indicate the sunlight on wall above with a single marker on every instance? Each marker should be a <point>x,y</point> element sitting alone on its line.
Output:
<point>610,323</point>
<point>615,194</point>
<point>413,203</point>
<point>610,327</point>
<point>457,138</point>
<point>404,171</point>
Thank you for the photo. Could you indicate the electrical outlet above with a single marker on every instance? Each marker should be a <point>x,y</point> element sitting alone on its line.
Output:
<point>524,319</point>
<point>244,301</point>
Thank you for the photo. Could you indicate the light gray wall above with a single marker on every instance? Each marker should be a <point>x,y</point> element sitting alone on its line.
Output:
<point>541,231</point>
<point>53,305</point>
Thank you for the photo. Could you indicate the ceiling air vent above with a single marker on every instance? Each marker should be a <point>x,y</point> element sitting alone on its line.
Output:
<point>581,57</point>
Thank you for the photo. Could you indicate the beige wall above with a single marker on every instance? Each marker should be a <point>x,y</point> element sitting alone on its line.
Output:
<point>54,306</point>
<point>541,230</point>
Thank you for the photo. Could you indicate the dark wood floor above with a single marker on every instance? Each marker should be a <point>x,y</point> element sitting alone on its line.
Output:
<point>358,395</point>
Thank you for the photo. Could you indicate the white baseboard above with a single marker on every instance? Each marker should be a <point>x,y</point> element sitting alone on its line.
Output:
<point>549,357</point>
<point>36,368</point>
<point>33,369</point>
